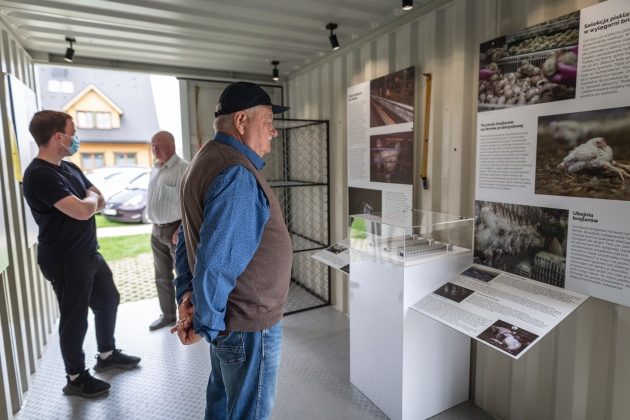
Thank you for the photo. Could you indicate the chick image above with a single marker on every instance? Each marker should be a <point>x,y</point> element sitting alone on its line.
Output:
<point>594,156</point>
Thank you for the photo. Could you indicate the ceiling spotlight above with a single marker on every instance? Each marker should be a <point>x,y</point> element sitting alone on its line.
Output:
<point>407,4</point>
<point>275,74</point>
<point>334,42</point>
<point>69,51</point>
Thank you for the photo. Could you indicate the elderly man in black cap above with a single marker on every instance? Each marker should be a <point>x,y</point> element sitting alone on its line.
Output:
<point>234,257</point>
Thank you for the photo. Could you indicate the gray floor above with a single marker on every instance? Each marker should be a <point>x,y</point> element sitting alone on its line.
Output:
<point>313,382</point>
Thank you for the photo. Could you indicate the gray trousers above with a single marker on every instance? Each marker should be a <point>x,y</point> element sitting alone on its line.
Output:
<point>164,263</point>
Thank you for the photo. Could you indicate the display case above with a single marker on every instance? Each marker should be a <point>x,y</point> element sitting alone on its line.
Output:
<point>411,237</point>
<point>297,171</point>
<point>409,365</point>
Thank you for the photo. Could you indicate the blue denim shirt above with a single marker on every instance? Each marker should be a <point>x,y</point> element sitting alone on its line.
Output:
<point>235,212</point>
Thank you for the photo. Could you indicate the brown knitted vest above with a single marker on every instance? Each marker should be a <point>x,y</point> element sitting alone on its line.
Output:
<point>257,301</point>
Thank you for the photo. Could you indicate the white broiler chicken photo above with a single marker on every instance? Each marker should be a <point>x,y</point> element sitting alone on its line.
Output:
<point>594,156</point>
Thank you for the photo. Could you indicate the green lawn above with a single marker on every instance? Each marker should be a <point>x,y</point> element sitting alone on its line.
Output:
<point>101,221</point>
<point>118,247</point>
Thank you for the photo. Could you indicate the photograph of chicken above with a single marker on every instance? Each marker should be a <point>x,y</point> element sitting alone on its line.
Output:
<point>535,65</point>
<point>507,337</point>
<point>524,240</point>
<point>584,154</point>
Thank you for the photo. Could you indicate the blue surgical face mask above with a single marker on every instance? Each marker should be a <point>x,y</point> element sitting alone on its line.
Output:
<point>74,144</point>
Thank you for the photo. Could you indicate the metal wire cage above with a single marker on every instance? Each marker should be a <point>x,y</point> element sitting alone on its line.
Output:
<point>297,170</point>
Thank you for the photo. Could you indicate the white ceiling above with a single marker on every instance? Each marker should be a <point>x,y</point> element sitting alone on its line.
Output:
<point>231,36</point>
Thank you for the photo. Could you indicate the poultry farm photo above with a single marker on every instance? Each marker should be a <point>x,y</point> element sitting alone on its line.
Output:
<point>525,240</point>
<point>535,65</point>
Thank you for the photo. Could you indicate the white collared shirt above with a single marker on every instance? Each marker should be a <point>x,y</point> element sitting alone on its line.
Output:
<point>163,194</point>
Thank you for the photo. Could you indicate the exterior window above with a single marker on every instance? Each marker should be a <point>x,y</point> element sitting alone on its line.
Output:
<point>67,86</point>
<point>123,159</point>
<point>99,120</point>
<point>85,119</point>
<point>54,86</point>
<point>92,161</point>
<point>103,120</point>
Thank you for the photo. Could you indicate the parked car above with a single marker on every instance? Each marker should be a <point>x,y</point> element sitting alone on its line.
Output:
<point>112,180</point>
<point>130,204</point>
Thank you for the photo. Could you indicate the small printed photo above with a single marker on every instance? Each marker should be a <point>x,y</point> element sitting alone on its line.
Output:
<point>364,201</point>
<point>454,292</point>
<point>507,337</point>
<point>479,274</point>
<point>336,248</point>
<point>391,158</point>
<point>346,268</point>
<point>532,66</point>
<point>527,241</point>
<point>584,154</point>
<point>391,98</point>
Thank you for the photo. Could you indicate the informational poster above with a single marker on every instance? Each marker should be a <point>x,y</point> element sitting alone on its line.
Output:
<point>553,152</point>
<point>336,256</point>
<point>381,145</point>
<point>23,107</point>
<point>507,312</point>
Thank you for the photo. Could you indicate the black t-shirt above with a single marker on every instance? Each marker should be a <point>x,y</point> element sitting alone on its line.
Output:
<point>61,237</point>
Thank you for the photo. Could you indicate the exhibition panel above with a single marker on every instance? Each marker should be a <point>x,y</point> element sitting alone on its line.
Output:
<point>507,312</point>
<point>381,144</point>
<point>553,158</point>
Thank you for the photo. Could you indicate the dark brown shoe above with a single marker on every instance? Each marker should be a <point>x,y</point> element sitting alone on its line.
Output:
<point>161,322</point>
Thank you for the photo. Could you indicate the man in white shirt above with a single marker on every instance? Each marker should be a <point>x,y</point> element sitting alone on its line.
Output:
<point>165,213</point>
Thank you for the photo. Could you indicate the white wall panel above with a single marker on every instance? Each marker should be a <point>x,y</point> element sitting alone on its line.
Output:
<point>382,56</point>
<point>338,174</point>
<point>619,385</point>
<point>315,80</point>
<point>31,309</point>
<point>425,51</point>
<point>365,68</point>
<point>402,42</point>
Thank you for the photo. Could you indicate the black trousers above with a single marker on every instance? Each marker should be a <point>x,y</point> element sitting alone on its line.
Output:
<point>81,284</point>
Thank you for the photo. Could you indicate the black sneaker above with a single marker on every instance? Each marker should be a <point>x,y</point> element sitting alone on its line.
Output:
<point>86,386</point>
<point>116,360</point>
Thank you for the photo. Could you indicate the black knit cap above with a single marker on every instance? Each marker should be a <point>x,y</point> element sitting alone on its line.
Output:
<point>243,95</point>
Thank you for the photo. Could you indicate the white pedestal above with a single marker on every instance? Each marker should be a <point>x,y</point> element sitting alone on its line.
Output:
<point>408,365</point>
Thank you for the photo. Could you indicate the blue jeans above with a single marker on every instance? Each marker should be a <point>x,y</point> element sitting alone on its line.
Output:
<point>242,382</point>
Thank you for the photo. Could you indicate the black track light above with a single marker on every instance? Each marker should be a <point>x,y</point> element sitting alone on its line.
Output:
<point>69,51</point>
<point>407,4</point>
<point>334,42</point>
<point>276,73</point>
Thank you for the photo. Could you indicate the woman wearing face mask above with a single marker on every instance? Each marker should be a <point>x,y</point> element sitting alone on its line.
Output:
<point>63,203</point>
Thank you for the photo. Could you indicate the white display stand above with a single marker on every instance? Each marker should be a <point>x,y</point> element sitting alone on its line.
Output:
<point>409,365</point>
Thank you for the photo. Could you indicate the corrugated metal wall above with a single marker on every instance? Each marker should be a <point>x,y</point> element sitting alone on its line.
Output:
<point>580,371</point>
<point>27,304</point>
